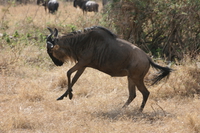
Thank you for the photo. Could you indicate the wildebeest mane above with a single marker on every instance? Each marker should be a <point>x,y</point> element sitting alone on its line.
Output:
<point>88,41</point>
<point>86,30</point>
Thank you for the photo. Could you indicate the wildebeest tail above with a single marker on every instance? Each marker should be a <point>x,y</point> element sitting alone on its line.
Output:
<point>164,71</point>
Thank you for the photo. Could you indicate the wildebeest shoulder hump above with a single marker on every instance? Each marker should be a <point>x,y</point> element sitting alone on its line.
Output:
<point>108,31</point>
<point>89,29</point>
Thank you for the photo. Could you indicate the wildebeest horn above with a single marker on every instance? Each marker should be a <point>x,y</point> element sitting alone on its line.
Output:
<point>49,36</point>
<point>50,30</point>
<point>55,32</point>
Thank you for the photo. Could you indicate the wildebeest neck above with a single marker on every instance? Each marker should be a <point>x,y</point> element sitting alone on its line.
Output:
<point>74,45</point>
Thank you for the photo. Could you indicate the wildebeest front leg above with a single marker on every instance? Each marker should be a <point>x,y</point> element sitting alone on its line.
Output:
<point>79,70</point>
<point>75,78</point>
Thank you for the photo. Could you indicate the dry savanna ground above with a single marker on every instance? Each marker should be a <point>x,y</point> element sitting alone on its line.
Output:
<point>30,84</point>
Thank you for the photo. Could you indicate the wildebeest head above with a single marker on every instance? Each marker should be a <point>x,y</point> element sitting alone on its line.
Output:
<point>51,44</point>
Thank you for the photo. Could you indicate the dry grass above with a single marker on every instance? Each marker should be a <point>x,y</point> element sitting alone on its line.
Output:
<point>32,17</point>
<point>30,85</point>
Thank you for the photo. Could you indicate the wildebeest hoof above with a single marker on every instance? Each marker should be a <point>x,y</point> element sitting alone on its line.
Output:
<point>141,109</point>
<point>60,98</point>
<point>70,96</point>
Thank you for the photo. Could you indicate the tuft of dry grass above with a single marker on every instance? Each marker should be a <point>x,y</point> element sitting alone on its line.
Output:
<point>30,85</point>
<point>183,82</point>
<point>193,120</point>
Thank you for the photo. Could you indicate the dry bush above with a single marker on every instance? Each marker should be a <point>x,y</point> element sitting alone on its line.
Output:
<point>33,91</point>
<point>182,83</point>
<point>59,82</point>
<point>165,28</point>
<point>187,78</point>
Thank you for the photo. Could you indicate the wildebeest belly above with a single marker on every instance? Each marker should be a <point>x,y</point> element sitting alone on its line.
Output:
<point>113,60</point>
<point>113,71</point>
<point>114,68</point>
<point>118,73</point>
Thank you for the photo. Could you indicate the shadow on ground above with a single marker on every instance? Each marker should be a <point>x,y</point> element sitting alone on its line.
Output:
<point>134,115</point>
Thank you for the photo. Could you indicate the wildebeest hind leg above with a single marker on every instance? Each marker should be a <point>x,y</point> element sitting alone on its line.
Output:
<point>132,92</point>
<point>145,93</point>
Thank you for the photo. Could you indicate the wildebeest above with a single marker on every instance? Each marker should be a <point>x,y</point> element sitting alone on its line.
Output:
<point>52,5</point>
<point>99,48</point>
<point>86,5</point>
<point>23,1</point>
<point>45,4</point>
<point>40,2</point>
<point>104,2</point>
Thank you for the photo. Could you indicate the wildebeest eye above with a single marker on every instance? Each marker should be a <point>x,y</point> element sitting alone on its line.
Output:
<point>49,45</point>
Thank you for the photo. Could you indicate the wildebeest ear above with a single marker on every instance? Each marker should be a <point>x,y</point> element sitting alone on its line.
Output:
<point>55,33</point>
